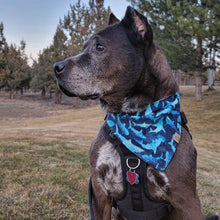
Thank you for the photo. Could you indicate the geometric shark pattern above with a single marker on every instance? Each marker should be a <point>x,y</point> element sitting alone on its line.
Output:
<point>150,134</point>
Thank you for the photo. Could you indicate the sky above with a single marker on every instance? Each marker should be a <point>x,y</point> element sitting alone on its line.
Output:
<point>35,21</point>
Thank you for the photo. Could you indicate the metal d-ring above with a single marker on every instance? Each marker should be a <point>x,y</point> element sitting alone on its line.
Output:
<point>132,168</point>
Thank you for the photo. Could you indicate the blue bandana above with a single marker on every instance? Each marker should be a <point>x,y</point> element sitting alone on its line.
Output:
<point>153,134</point>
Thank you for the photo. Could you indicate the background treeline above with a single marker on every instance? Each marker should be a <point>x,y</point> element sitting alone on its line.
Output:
<point>187,31</point>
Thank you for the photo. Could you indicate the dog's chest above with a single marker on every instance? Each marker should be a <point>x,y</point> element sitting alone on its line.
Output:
<point>110,176</point>
<point>108,168</point>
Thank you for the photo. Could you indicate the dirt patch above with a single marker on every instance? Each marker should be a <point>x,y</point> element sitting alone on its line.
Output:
<point>30,105</point>
<point>20,108</point>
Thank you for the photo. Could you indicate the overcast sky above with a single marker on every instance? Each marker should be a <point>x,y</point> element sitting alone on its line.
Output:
<point>35,21</point>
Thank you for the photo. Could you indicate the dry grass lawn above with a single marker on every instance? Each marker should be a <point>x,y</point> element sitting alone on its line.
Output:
<point>44,168</point>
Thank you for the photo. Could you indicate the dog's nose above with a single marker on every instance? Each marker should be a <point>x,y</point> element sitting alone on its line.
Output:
<point>59,67</point>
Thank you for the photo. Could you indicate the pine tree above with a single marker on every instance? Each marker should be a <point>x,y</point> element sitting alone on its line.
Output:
<point>98,15</point>
<point>3,51</point>
<point>43,78</point>
<point>81,21</point>
<point>59,45</point>
<point>14,68</point>
<point>75,26</point>
<point>16,71</point>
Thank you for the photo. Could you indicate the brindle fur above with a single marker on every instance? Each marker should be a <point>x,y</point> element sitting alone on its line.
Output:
<point>130,73</point>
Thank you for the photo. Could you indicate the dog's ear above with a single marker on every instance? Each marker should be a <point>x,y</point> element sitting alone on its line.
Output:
<point>112,19</point>
<point>138,24</point>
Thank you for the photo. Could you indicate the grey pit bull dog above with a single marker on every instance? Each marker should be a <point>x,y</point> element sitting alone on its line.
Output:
<point>122,67</point>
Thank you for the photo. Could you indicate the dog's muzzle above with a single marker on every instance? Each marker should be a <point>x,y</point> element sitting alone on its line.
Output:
<point>59,69</point>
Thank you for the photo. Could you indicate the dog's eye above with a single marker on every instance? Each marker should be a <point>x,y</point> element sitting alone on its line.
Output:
<point>99,47</point>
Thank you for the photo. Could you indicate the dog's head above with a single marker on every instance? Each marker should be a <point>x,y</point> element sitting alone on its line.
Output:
<point>112,65</point>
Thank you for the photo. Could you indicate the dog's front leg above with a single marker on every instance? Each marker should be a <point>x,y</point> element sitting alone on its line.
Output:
<point>101,203</point>
<point>106,174</point>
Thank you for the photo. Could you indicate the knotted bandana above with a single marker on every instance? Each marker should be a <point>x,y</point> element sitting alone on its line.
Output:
<point>153,134</point>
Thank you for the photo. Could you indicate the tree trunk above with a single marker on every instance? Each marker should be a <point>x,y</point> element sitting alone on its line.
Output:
<point>51,95</point>
<point>211,79</point>
<point>11,92</point>
<point>211,73</point>
<point>198,87</point>
<point>58,97</point>
<point>75,102</point>
<point>43,93</point>
<point>198,73</point>
<point>22,90</point>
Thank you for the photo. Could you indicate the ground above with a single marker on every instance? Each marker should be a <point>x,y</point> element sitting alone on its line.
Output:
<point>44,170</point>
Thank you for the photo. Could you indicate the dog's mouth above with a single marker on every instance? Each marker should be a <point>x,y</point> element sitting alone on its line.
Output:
<point>86,97</point>
<point>66,92</point>
<point>83,97</point>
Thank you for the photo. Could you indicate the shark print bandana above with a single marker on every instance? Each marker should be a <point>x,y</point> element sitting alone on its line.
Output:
<point>153,134</point>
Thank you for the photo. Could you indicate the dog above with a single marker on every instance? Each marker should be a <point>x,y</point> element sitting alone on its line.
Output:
<point>122,67</point>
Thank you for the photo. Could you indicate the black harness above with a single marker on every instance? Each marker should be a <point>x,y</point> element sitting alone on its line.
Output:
<point>136,202</point>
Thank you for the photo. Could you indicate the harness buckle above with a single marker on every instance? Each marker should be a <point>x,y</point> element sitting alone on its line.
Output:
<point>135,166</point>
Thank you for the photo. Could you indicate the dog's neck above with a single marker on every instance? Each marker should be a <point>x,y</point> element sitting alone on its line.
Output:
<point>155,83</point>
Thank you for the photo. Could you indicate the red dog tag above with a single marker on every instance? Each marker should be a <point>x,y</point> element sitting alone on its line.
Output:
<point>131,177</point>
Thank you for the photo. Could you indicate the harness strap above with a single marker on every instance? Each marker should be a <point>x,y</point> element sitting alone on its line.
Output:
<point>136,190</point>
<point>135,196</point>
<point>146,215</point>
<point>90,199</point>
<point>184,121</point>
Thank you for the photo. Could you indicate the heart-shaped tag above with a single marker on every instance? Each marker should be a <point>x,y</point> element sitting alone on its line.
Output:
<point>131,177</point>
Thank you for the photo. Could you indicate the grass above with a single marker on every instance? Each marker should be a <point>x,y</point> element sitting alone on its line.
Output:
<point>44,168</point>
<point>204,123</point>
